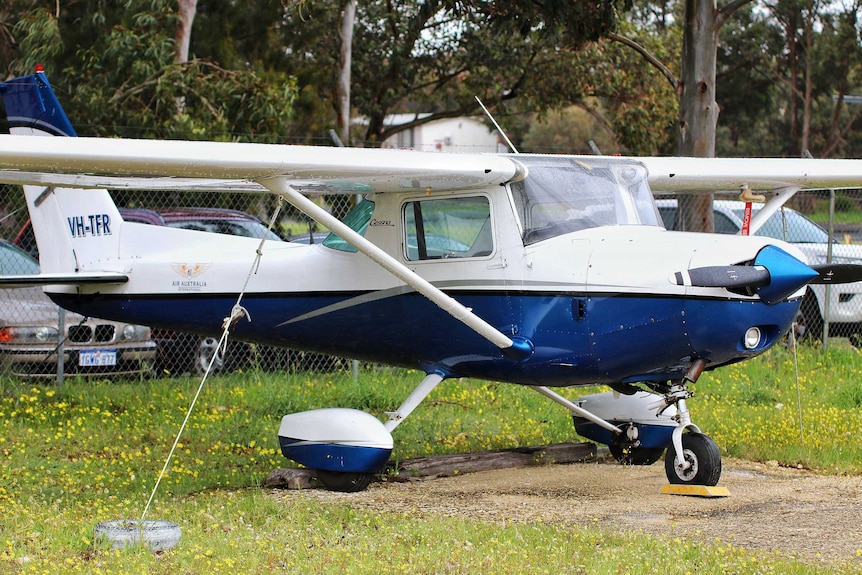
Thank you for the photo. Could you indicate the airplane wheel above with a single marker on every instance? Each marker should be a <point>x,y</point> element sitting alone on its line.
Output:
<point>703,455</point>
<point>343,481</point>
<point>636,456</point>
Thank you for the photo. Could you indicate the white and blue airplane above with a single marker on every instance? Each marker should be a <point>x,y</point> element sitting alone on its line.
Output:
<point>537,270</point>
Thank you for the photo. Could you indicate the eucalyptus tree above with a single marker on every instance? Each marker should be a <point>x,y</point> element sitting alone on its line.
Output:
<point>782,74</point>
<point>119,73</point>
<point>436,56</point>
<point>821,58</point>
<point>841,61</point>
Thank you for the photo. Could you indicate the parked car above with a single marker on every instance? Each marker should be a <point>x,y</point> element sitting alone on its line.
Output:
<point>845,300</point>
<point>215,220</point>
<point>183,352</point>
<point>30,332</point>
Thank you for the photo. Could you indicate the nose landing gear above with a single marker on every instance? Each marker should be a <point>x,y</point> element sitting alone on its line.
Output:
<point>638,427</point>
<point>692,458</point>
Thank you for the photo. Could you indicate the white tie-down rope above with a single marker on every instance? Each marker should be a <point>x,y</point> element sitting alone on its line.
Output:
<point>236,313</point>
<point>798,391</point>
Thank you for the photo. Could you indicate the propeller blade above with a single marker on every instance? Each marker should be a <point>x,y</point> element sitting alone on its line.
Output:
<point>837,273</point>
<point>723,277</point>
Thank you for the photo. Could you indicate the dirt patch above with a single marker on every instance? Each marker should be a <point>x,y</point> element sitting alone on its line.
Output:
<point>813,517</point>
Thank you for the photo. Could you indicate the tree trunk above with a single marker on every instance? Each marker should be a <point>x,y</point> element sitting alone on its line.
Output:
<point>185,19</point>
<point>697,106</point>
<point>348,17</point>
<point>807,91</point>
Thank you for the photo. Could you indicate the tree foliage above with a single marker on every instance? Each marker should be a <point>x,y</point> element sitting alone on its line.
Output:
<point>435,57</point>
<point>267,70</point>
<point>115,67</point>
<point>779,65</point>
<point>569,131</point>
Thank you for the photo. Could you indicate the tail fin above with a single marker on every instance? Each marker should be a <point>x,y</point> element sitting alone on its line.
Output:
<point>76,230</point>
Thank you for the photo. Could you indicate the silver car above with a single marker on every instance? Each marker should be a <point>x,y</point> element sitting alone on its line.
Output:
<point>30,340</point>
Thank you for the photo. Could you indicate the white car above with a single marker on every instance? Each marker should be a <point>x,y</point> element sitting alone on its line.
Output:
<point>845,300</point>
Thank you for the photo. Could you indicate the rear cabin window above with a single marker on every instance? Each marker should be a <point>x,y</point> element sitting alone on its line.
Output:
<point>448,228</point>
<point>357,219</point>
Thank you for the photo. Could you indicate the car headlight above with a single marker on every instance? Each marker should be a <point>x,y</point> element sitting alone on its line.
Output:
<point>26,334</point>
<point>135,332</point>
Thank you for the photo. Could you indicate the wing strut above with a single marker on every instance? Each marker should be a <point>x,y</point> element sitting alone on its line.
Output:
<point>518,348</point>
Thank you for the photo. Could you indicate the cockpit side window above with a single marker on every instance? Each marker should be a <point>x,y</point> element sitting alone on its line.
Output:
<point>447,228</point>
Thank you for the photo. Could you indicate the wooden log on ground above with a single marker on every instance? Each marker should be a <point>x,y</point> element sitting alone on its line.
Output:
<point>448,465</point>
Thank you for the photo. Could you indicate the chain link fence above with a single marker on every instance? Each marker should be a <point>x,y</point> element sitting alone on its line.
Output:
<point>31,344</point>
<point>37,339</point>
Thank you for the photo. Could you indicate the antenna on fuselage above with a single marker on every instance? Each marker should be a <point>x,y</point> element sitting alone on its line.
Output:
<point>496,125</point>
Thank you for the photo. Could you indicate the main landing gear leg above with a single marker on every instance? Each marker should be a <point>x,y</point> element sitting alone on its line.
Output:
<point>554,396</point>
<point>692,458</point>
<point>413,400</point>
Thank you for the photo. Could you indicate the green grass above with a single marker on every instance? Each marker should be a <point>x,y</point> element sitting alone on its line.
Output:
<point>761,411</point>
<point>91,452</point>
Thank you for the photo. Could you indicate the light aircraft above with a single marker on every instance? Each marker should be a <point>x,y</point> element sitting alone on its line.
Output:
<point>538,270</point>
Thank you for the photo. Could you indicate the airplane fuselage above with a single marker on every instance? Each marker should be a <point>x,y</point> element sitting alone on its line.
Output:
<point>596,300</point>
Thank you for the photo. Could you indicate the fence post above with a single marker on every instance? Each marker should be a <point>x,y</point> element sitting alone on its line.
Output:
<point>828,292</point>
<point>61,347</point>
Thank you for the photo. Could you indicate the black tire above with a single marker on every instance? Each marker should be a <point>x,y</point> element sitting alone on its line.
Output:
<point>344,482</point>
<point>636,456</point>
<point>703,455</point>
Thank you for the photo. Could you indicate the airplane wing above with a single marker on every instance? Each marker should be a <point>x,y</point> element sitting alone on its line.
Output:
<point>239,167</point>
<point>231,166</point>
<point>702,175</point>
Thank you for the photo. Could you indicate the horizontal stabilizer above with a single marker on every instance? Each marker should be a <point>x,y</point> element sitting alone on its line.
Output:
<point>83,278</point>
<point>837,273</point>
<point>723,277</point>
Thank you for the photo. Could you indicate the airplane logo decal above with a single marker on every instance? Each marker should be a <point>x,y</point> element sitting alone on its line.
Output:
<point>189,271</point>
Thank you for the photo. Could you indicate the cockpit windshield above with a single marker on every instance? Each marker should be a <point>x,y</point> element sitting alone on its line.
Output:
<point>562,194</point>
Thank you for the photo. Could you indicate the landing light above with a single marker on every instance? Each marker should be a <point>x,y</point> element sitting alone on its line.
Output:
<point>752,338</point>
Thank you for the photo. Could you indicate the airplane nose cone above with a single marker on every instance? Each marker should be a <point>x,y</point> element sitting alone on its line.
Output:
<point>786,274</point>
